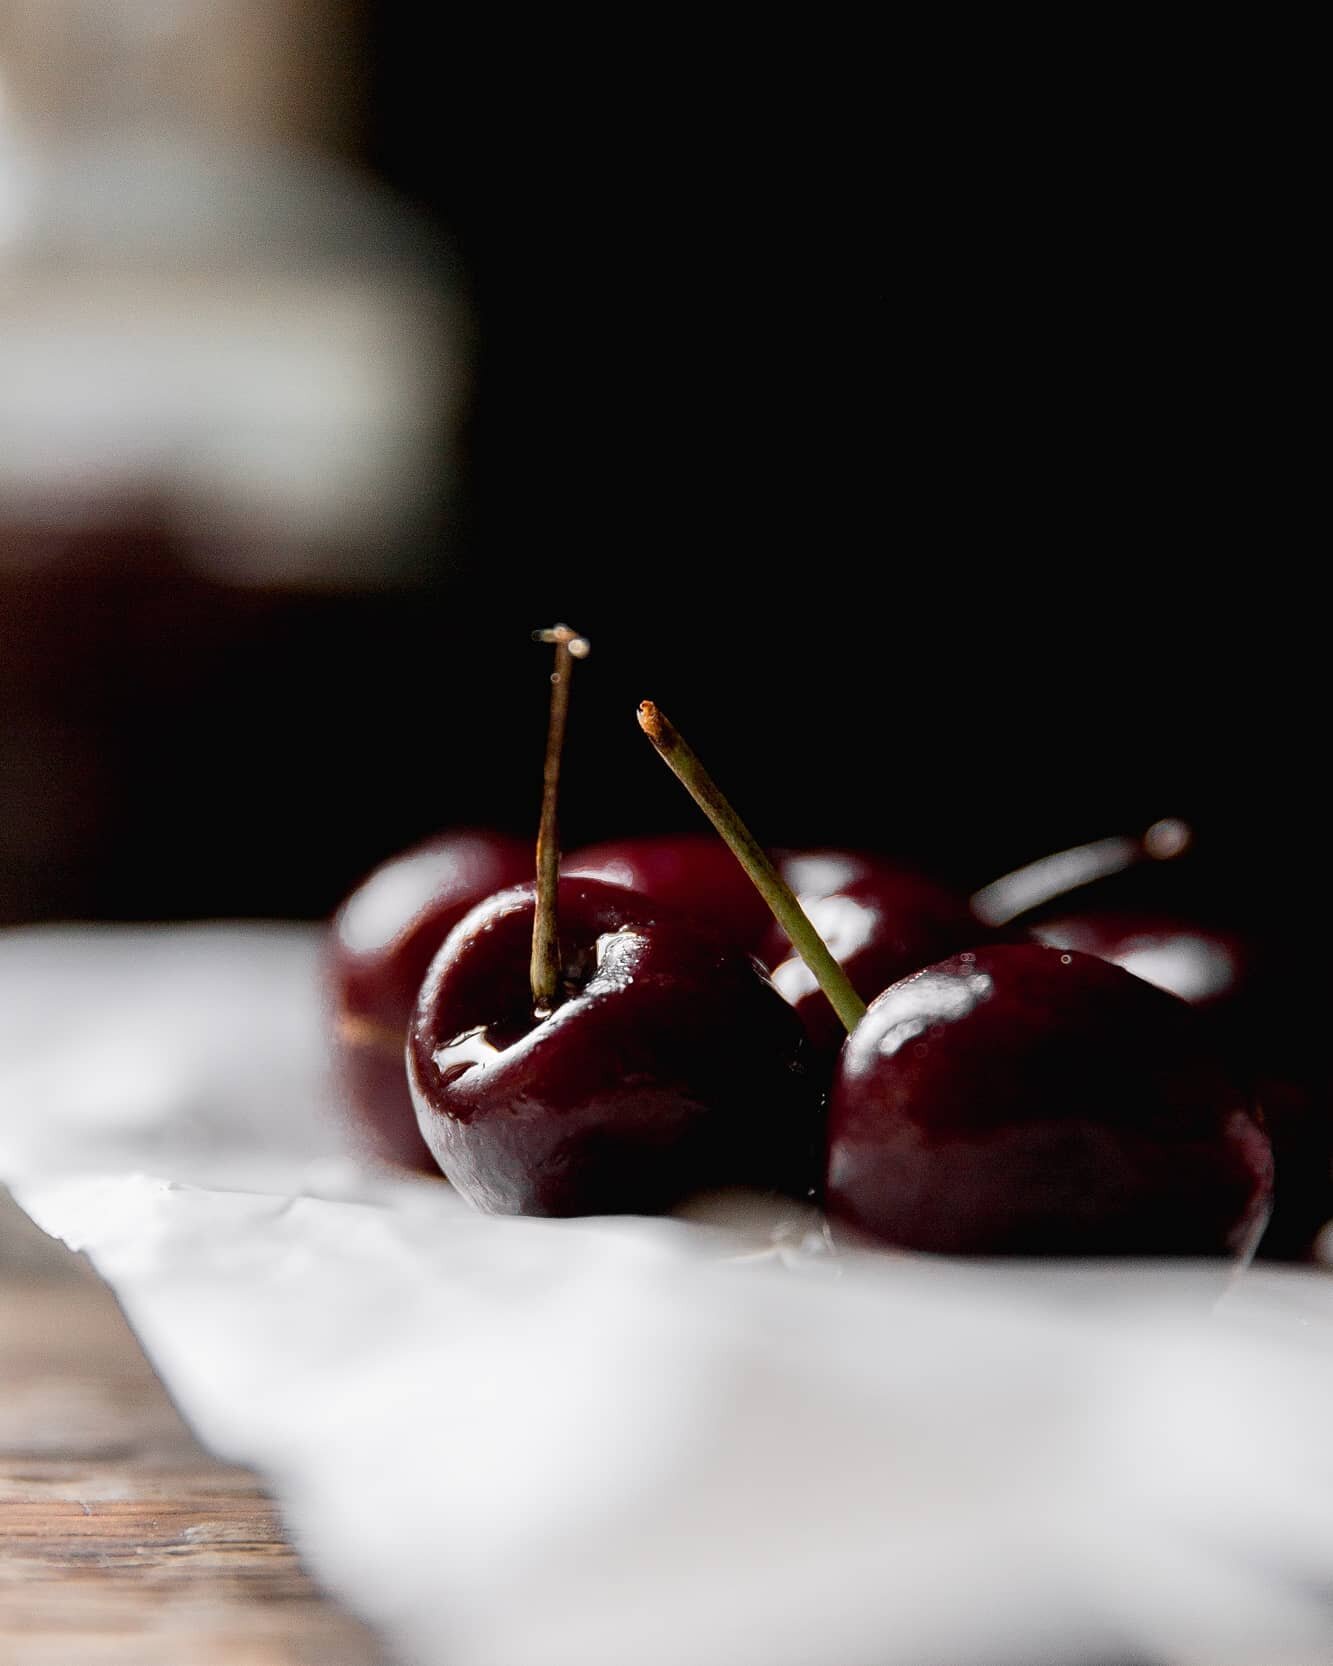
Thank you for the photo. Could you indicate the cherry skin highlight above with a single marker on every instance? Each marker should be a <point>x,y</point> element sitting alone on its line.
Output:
<point>1200,964</point>
<point>383,938</point>
<point>1018,1099</point>
<point>672,1066</point>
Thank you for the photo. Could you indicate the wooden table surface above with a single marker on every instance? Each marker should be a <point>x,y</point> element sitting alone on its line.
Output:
<point>122,1543</point>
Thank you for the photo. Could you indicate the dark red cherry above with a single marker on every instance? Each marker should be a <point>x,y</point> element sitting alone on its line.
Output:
<point>1201,964</point>
<point>880,922</point>
<point>1021,1099</point>
<point>384,937</point>
<point>1265,1003</point>
<point>693,872</point>
<point>670,1067</point>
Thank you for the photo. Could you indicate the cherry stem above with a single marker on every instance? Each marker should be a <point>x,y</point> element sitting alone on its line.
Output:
<point>545,965</point>
<point>765,878</point>
<point>1051,877</point>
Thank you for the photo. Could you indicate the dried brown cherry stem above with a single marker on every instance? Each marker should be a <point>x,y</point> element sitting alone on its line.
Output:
<point>545,964</point>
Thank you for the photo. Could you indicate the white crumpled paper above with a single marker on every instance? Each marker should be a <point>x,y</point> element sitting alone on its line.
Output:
<point>644,1443</point>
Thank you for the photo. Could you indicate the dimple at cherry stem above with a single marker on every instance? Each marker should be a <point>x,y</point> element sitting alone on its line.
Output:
<point>765,878</point>
<point>544,969</point>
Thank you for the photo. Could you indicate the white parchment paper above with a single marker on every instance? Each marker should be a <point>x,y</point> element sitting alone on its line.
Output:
<point>642,1443</point>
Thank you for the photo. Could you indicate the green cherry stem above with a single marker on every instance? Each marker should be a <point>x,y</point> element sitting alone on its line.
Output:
<point>765,878</point>
<point>545,964</point>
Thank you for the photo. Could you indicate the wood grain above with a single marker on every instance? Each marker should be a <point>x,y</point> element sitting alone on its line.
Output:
<point>122,1543</point>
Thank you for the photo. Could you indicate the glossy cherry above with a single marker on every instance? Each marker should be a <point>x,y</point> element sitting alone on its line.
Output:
<point>693,872</point>
<point>1021,1099</point>
<point>880,922</point>
<point>1265,1003</point>
<point>383,938</point>
<point>671,1066</point>
<point>1201,964</point>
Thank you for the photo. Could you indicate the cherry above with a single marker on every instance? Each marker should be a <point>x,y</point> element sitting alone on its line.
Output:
<point>1200,964</point>
<point>1021,1099</point>
<point>690,871</point>
<point>879,921</point>
<point>1264,1000</point>
<point>383,938</point>
<point>579,1048</point>
<point>663,1066</point>
<point>1264,1006</point>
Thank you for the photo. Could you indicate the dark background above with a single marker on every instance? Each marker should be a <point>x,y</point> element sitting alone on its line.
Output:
<point>929,460</point>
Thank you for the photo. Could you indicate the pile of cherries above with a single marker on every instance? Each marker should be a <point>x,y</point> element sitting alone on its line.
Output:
<point>1008,1090</point>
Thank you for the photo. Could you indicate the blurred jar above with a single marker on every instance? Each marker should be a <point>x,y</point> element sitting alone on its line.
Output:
<point>230,365</point>
<point>202,308</point>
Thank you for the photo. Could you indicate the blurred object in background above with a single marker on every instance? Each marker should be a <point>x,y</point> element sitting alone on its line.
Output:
<point>227,359</point>
<point>203,311</point>
<point>266,72</point>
